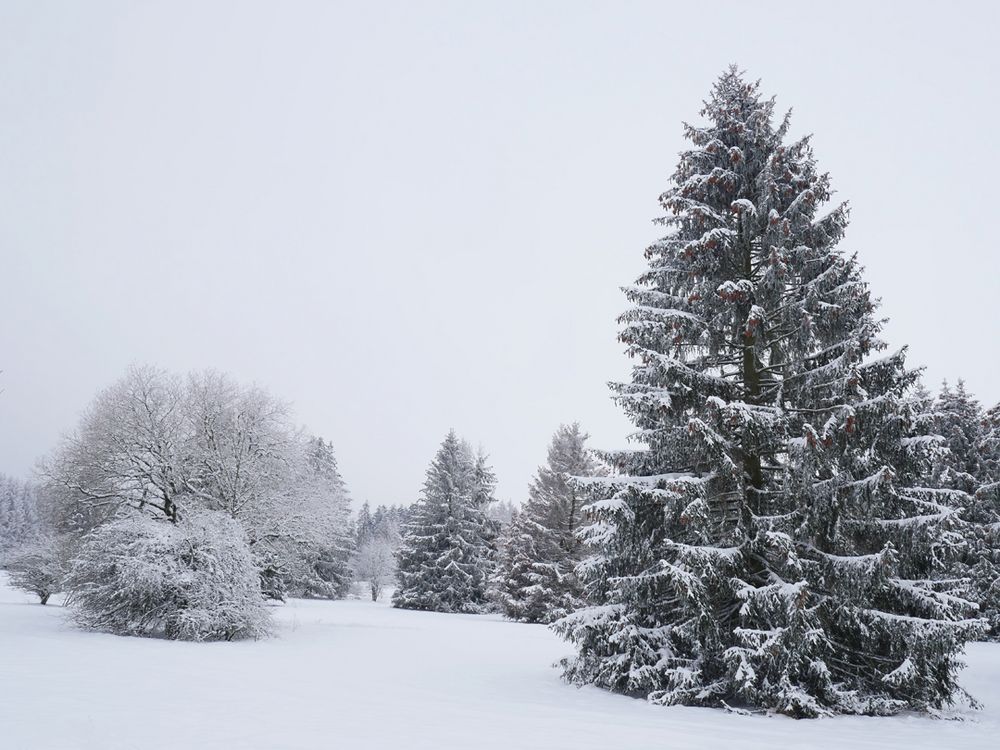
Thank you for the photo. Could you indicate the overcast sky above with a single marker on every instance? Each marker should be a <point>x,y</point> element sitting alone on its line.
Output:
<point>405,217</point>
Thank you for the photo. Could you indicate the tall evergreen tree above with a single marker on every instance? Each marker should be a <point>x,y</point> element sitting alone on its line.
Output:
<point>535,580</point>
<point>763,548</point>
<point>445,557</point>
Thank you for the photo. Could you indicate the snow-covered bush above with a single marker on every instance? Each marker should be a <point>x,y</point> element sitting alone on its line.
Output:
<point>190,580</point>
<point>37,566</point>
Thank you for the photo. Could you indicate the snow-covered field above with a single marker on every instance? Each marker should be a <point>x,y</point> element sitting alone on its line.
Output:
<point>354,674</point>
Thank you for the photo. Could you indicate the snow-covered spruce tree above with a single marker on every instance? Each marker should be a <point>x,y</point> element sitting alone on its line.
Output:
<point>761,549</point>
<point>989,449</point>
<point>959,420</point>
<point>535,579</point>
<point>445,558</point>
<point>964,469</point>
<point>988,494</point>
<point>322,549</point>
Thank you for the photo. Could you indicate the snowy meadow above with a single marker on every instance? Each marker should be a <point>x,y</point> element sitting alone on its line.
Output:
<point>361,674</point>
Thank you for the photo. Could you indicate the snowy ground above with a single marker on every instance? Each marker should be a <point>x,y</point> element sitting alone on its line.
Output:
<point>359,675</point>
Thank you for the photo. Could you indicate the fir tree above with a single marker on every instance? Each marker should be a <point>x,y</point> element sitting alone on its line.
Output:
<point>988,494</point>
<point>989,449</point>
<point>535,579</point>
<point>329,571</point>
<point>763,548</point>
<point>365,526</point>
<point>445,557</point>
<point>960,421</point>
<point>964,469</point>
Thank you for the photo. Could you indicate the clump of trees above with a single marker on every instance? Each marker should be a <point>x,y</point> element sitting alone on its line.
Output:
<point>379,536</point>
<point>224,498</point>
<point>447,551</point>
<point>31,551</point>
<point>19,513</point>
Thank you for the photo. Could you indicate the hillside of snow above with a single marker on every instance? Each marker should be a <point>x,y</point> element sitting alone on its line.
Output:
<point>355,674</point>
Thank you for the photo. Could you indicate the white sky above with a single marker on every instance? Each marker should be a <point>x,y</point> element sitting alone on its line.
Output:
<point>404,217</point>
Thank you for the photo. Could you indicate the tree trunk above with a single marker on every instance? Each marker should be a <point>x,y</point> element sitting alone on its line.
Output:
<point>751,386</point>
